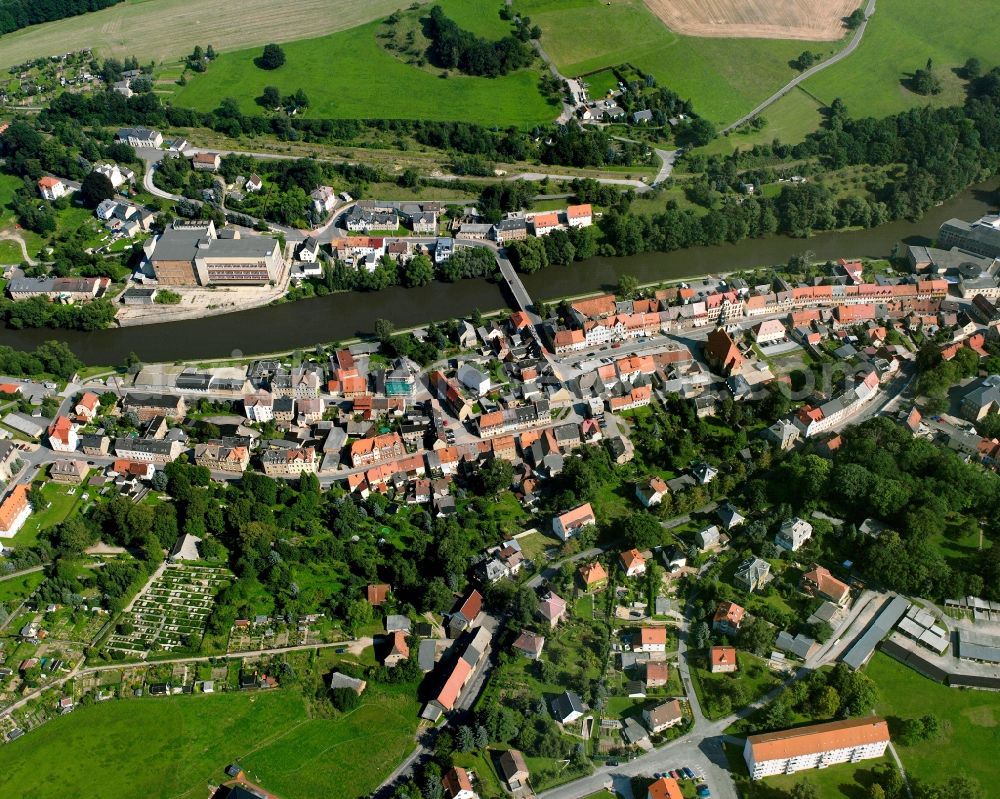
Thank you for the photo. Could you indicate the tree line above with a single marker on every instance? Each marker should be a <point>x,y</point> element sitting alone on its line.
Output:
<point>17,14</point>
<point>454,48</point>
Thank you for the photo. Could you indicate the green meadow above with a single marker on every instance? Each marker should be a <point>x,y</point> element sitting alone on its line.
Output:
<point>900,38</point>
<point>350,75</point>
<point>175,747</point>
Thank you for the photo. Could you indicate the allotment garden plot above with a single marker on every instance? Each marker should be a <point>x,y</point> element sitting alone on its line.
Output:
<point>170,612</point>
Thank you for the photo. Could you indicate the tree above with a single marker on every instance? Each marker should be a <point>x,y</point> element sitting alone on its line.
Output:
<point>344,699</point>
<point>696,133</point>
<point>628,285</point>
<point>972,69</point>
<point>384,330</point>
<point>418,272</point>
<point>210,53</point>
<point>270,98</point>
<point>640,530</point>
<point>95,189</point>
<point>496,477</point>
<point>465,739</point>
<point>855,19</point>
<point>272,57</point>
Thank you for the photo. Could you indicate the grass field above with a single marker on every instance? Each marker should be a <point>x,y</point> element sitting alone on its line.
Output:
<point>187,741</point>
<point>61,503</point>
<point>15,590</point>
<point>349,75</point>
<point>156,30</point>
<point>725,78</point>
<point>790,119</point>
<point>900,38</point>
<point>970,722</point>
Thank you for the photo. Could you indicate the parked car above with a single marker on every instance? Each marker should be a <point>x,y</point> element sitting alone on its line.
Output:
<point>688,773</point>
<point>703,791</point>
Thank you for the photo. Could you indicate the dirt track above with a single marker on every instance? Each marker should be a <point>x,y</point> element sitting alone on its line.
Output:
<point>808,20</point>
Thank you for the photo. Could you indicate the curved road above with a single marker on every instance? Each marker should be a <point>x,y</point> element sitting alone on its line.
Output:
<point>851,47</point>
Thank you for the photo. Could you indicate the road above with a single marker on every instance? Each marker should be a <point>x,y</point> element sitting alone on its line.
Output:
<point>16,238</point>
<point>851,47</point>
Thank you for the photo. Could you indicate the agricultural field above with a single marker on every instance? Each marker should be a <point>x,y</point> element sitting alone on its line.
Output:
<point>724,78</point>
<point>187,741</point>
<point>166,29</point>
<point>171,610</point>
<point>815,20</point>
<point>350,75</point>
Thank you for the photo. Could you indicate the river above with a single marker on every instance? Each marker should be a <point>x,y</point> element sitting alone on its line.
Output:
<point>303,324</point>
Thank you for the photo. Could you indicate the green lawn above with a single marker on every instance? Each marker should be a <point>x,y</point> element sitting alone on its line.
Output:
<point>187,741</point>
<point>10,253</point>
<point>900,38</point>
<point>753,677</point>
<point>60,505</point>
<point>350,75</point>
<point>970,721</point>
<point>790,119</point>
<point>724,78</point>
<point>14,590</point>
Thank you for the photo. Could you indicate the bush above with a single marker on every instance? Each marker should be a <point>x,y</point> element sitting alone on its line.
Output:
<point>344,699</point>
<point>167,297</point>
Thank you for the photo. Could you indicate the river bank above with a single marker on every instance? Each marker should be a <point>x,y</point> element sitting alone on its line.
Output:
<point>338,317</point>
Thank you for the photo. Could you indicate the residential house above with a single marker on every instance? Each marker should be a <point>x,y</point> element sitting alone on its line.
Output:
<point>86,407</point>
<point>572,521</point>
<point>377,594</point>
<point>657,674</point>
<point>552,608</point>
<point>752,574</point>
<point>51,188</point>
<point>259,407</point>
<point>398,650</point>
<point>64,290</point>
<point>148,406</point>
<point>14,511</point>
<point>473,378</point>
<point>308,250</point>
<point>982,400</point>
<point>206,162</point>
<point>793,534</point>
<point>593,576</point>
<point>218,457</point>
<point>513,771</point>
<point>664,788</point>
<point>543,224</point>
<point>819,582</point>
<point>466,614</point>
<point>290,462</point>
<point>457,784</point>
<point>632,562</point>
<point>62,435</point>
<point>568,707</point>
<point>118,176</point>
<point>148,450</point>
<point>652,640</point>
<point>663,717</point>
<point>722,659</point>
<point>709,537</point>
<point>579,215</point>
<point>68,471</point>
<point>816,746</point>
<point>323,199</point>
<point>770,331</point>
<point>140,137</point>
<point>728,618</point>
<point>529,644</point>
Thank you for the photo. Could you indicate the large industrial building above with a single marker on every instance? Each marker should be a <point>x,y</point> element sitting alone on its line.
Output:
<point>192,253</point>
